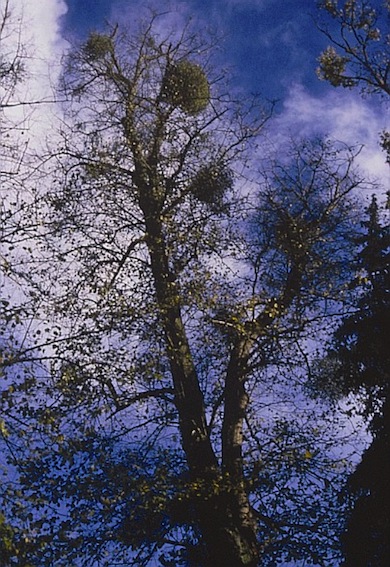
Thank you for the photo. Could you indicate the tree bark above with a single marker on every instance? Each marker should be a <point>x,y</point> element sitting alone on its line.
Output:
<point>188,396</point>
<point>222,507</point>
<point>242,530</point>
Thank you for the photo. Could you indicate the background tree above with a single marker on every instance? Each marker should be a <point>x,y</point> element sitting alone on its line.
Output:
<point>359,364</point>
<point>171,303</point>
<point>359,56</point>
<point>361,345</point>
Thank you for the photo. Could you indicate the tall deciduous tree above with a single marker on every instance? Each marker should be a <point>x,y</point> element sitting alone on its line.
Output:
<point>180,292</point>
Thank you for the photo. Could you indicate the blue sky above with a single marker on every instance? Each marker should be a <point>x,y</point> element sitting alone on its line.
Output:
<point>269,44</point>
<point>271,49</point>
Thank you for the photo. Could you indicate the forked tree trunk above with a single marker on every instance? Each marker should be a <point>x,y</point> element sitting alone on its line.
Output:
<point>222,508</point>
<point>228,532</point>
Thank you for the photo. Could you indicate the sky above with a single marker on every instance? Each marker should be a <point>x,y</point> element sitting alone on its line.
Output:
<point>262,38</point>
<point>269,46</point>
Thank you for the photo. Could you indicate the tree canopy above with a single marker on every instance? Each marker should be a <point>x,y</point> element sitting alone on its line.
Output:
<point>153,398</point>
<point>358,54</point>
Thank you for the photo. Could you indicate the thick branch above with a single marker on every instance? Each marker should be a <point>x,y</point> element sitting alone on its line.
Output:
<point>188,396</point>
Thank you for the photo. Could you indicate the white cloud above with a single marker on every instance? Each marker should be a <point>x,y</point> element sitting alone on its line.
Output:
<point>172,16</point>
<point>342,115</point>
<point>35,26</point>
<point>38,30</point>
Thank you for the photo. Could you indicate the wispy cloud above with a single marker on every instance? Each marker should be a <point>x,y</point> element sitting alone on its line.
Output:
<point>341,115</point>
<point>171,17</point>
<point>40,34</point>
<point>36,26</point>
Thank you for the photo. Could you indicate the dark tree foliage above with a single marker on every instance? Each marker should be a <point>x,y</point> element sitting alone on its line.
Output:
<point>366,540</point>
<point>362,345</point>
<point>361,340</point>
<point>360,364</point>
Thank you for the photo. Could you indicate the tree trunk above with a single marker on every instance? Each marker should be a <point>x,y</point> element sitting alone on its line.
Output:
<point>222,507</point>
<point>228,531</point>
<point>240,526</point>
<point>188,397</point>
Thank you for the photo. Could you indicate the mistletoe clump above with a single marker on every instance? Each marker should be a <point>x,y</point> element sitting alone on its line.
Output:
<point>98,46</point>
<point>211,183</point>
<point>185,86</point>
<point>333,68</point>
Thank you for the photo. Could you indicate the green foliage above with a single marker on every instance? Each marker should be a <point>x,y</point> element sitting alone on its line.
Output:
<point>211,183</point>
<point>98,46</point>
<point>185,86</point>
<point>333,67</point>
<point>358,360</point>
<point>359,50</point>
<point>7,549</point>
<point>361,340</point>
